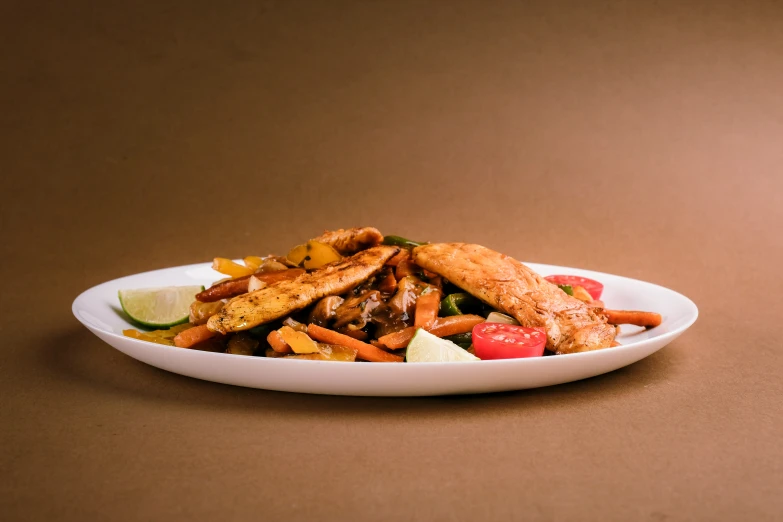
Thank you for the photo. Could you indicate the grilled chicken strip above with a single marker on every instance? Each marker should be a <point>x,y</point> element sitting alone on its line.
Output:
<point>284,297</point>
<point>508,285</point>
<point>350,241</point>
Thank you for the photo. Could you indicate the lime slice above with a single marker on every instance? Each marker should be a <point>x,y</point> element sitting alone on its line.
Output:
<point>425,347</point>
<point>159,307</point>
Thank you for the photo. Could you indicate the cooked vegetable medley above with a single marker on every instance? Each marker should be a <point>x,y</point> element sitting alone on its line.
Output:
<point>356,295</point>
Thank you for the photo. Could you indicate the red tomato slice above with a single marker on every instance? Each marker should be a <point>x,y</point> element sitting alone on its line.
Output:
<point>507,341</point>
<point>594,288</point>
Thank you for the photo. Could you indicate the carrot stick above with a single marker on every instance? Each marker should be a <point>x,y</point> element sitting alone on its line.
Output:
<point>193,336</point>
<point>427,310</point>
<point>456,324</point>
<point>360,335</point>
<point>388,284</point>
<point>277,342</point>
<point>399,339</point>
<point>366,351</point>
<point>442,327</point>
<point>403,254</point>
<point>646,319</point>
<point>406,268</point>
<point>238,286</point>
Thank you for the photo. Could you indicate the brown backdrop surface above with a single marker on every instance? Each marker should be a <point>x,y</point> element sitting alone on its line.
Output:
<point>643,141</point>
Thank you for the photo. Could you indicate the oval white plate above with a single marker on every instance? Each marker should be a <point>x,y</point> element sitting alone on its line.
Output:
<point>98,309</point>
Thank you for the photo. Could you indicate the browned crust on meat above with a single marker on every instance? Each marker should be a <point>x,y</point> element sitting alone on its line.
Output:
<point>282,298</point>
<point>506,284</point>
<point>352,240</point>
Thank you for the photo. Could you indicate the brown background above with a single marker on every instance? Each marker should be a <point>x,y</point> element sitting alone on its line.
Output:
<point>643,141</point>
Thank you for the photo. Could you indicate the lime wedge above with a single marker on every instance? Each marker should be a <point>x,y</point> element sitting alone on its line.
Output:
<point>159,307</point>
<point>425,347</point>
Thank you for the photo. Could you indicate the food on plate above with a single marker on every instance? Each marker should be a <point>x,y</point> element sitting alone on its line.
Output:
<point>240,285</point>
<point>593,287</point>
<point>159,307</point>
<point>350,241</point>
<point>285,297</point>
<point>313,254</point>
<point>509,286</point>
<point>356,295</point>
<point>636,318</point>
<point>508,341</point>
<point>426,347</point>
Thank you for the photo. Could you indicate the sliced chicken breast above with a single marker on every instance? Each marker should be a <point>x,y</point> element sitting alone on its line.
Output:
<point>282,298</point>
<point>511,287</point>
<point>352,240</point>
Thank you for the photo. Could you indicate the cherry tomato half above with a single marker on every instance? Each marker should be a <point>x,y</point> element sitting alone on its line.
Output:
<point>594,288</point>
<point>507,341</point>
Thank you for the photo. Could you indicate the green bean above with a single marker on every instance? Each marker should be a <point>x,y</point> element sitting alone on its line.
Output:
<point>463,338</point>
<point>400,242</point>
<point>454,303</point>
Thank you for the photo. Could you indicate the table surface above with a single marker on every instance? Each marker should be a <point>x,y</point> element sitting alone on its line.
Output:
<point>642,141</point>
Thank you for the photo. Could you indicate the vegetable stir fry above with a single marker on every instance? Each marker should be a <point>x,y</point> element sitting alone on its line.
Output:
<point>356,295</point>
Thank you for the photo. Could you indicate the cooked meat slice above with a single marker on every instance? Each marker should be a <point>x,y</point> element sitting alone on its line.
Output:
<point>282,298</point>
<point>513,288</point>
<point>353,240</point>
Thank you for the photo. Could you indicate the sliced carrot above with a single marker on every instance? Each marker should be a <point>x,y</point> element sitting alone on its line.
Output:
<point>277,342</point>
<point>646,319</point>
<point>388,284</point>
<point>407,268</point>
<point>427,310</point>
<point>193,336</point>
<point>403,254</point>
<point>442,327</point>
<point>365,351</point>
<point>228,267</point>
<point>456,324</point>
<point>360,335</point>
<point>397,340</point>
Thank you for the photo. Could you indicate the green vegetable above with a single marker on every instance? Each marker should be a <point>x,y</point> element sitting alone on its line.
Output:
<point>567,289</point>
<point>400,242</point>
<point>454,303</point>
<point>460,339</point>
<point>260,331</point>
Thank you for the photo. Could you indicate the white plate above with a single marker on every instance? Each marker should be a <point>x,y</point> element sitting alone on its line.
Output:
<point>98,309</point>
